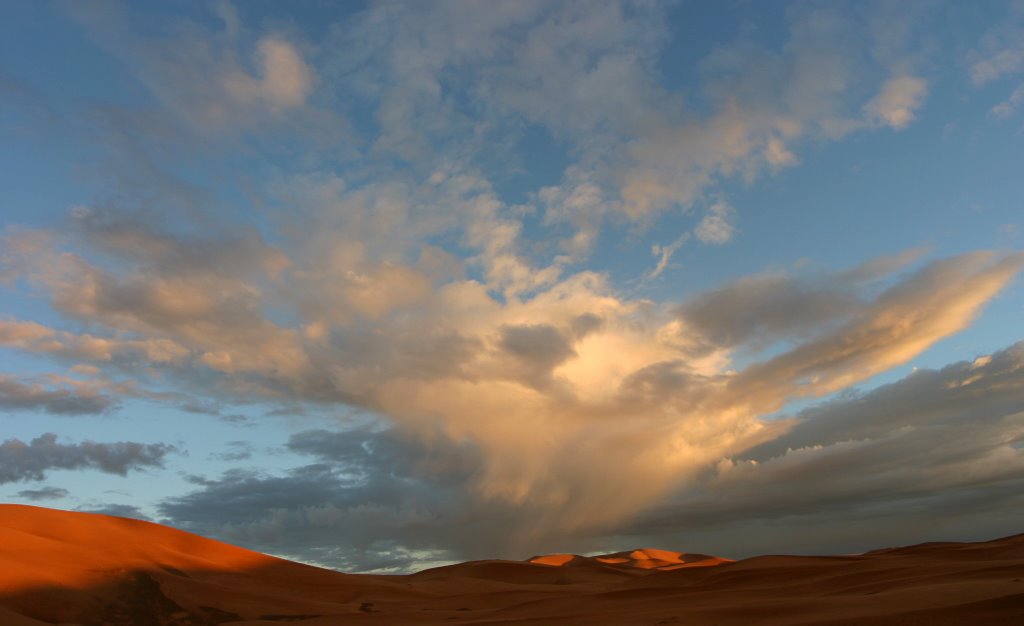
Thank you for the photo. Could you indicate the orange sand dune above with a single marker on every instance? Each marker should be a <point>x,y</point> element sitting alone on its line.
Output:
<point>80,568</point>
<point>644,558</point>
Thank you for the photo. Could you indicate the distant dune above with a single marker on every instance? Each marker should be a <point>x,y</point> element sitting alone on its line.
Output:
<point>644,558</point>
<point>81,568</point>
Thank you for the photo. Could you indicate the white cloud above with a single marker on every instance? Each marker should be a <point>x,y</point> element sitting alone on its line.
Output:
<point>777,154</point>
<point>717,225</point>
<point>664,254</point>
<point>285,80</point>
<point>765,102</point>
<point>999,55</point>
<point>588,74</point>
<point>1009,106</point>
<point>203,76</point>
<point>897,102</point>
<point>1001,49</point>
<point>1006,61</point>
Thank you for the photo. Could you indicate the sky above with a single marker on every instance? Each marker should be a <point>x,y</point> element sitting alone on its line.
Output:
<point>387,285</point>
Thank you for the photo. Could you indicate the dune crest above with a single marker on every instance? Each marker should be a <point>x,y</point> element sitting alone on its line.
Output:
<point>83,546</point>
<point>643,558</point>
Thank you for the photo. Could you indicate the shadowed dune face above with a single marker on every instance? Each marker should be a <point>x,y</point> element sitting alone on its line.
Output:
<point>80,568</point>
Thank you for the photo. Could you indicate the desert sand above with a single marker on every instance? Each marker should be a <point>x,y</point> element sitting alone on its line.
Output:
<point>81,568</point>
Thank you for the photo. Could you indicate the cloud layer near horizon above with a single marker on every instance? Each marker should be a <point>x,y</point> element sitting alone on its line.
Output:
<point>511,407</point>
<point>935,454</point>
<point>355,253</point>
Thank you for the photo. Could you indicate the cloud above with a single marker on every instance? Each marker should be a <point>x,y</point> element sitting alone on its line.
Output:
<point>39,339</point>
<point>665,252</point>
<point>463,361</point>
<point>538,347</point>
<point>1006,61</point>
<point>766,307</point>
<point>933,452</point>
<point>1009,106</point>
<point>285,82</point>
<point>662,398</point>
<point>936,445</point>
<point>999,55</point>
<point>764,101</point>
<point>20,461</point>
<point>939,300</point>
<point>370,499</point>
<point>208,78</point>
<point>117,510</point>
<point>759,310</point>
<point>43,493</point>
<point>199,289</point>
<point>896,103</point>
<point>717,226</point>
<point>387,278</point>
<point>16,395</point>
<point>452,80</point>
<point>589,75</point>
<point>234,451</point>
<point>1000,51</point>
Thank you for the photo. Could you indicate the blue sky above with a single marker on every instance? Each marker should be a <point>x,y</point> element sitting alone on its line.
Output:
<point>392,284</point>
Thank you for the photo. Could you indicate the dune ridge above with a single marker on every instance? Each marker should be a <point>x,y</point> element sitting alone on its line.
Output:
<point>61,567</point>
<point>642,558</point>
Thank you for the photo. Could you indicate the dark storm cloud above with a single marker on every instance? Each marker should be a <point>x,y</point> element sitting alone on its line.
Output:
<point>970,396</point>
<point>317,512</point>
<point>234,451</point>
<point>541,345</point>
<point>371,500</point>
<point>31,461</point>
<point>852,473</point>
<point>19,396</point>
<point>43,493</point>
<point>117,510</point>
<point>392,454</point>
<point>768,307</point>
<point>536,349</point>
<point>936,444</point>
<point>428,490</point>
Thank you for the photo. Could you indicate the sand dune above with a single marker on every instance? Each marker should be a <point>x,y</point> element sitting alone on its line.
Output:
<point>644,558</point>
<point>80,568</point>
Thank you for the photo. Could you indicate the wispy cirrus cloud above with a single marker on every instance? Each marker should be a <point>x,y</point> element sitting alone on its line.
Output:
<point>1000,54</point>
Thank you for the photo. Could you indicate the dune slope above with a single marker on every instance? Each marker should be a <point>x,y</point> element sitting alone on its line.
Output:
<point>79,568</point>
<point>644,558</point>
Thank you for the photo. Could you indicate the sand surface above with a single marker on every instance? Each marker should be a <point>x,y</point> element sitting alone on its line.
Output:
<point>59,567</point>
